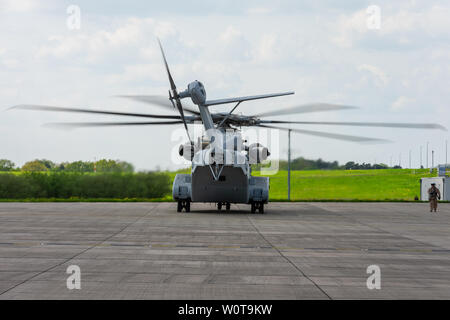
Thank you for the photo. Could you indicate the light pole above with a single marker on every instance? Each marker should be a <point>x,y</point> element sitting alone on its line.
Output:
<point>289,165</point>
<point>420,156</point>
<point>410,159</point>
<point>427,154</point>
<point>446,152</point>
<point>432,159</point>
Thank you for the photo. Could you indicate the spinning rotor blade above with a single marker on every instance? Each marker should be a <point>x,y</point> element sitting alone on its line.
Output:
<point>174,91</point>
<point>306,108</point>
<point>336,136</point>
<point>106,124</point>
<point>61,109</point>
<point>159,101</point>
<point>241,99</point>
<point>366,124</point>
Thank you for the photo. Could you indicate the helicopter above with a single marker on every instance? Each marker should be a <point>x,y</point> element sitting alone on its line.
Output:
<point>221,159</point>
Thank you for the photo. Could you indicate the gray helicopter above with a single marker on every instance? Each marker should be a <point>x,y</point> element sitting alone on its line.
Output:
<point>221,158</point>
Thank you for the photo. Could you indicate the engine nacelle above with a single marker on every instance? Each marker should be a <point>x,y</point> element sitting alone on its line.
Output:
<point>186,151</point>
<point>257,153</point>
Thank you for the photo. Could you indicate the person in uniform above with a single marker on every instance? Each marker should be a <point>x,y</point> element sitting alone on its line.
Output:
<point>433,196</point>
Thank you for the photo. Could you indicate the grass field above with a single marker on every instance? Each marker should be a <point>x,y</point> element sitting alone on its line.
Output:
<point>346,185</point>
<point>350,185</point>
<point>316,185</point>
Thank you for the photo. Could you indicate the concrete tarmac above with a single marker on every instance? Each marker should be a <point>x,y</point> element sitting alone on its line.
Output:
<point>293,251</point>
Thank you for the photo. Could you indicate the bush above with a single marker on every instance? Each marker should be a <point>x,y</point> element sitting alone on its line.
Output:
<point>84,185</point>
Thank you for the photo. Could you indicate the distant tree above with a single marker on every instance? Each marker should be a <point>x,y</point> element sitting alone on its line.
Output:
<point>79,166</point>
<point>105,165</point>
<point>349,165</point>
<point>125,166</point>
<point>6,165</point>
<point>35,165</point>
<point>47,163</point>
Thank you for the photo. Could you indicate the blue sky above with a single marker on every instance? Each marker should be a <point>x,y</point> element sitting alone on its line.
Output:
<point>322,50</point>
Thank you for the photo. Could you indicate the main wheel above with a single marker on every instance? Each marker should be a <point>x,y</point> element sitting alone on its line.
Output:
<point>261,207</point>
<point>187,206</point>
<point>253,207</point>
<point>228,206</point>
<point>219,206</point>
<point>179,206</point>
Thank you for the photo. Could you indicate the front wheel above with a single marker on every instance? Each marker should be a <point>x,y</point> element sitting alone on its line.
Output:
<point>261,207</point>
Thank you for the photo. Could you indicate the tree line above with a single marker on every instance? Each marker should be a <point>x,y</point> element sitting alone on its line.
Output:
<point>66,185</point>
<point>42,165</point>
<point>319,164</point>
<point>118,166</point>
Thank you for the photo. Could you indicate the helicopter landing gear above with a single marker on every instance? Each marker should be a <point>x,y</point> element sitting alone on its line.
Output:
<point>257,206</point>
<point>186,204</point>
<point>220,204</point>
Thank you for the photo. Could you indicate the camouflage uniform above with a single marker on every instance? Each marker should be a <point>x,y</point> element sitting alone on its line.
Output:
<point>433,195</point>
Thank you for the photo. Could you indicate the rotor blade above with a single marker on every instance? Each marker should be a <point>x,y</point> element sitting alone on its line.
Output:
<point>157,100</point>
<point>241,99</point>
<point>329,135</point>
<point>366,124</point>
<point>180,108</point>
<point>62,109</point>
<point>174,91</point>
<point>306,108</point>
<point>172,83</point>
<point>106,124</point>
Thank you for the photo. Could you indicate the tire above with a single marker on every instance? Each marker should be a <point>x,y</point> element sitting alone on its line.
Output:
<point>261,208</point>
<point>179,206</point>
<point>188,206</point>
<point>253,208</point>
<point>219,206</point>
<point>228,206</point>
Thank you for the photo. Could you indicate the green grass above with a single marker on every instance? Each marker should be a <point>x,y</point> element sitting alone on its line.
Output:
<point>348,185</point>
<point>315,185</point>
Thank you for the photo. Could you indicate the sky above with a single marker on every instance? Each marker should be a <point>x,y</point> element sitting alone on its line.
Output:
<point>394,66</point>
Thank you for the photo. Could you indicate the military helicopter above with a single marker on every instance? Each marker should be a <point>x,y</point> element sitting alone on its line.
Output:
<point>222,159</point>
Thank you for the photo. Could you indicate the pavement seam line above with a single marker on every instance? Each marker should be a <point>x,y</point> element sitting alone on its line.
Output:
<point>80,253</point>
<point>286,258</point>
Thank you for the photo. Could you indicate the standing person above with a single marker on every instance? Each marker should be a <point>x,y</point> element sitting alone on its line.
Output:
<point>433,195</point>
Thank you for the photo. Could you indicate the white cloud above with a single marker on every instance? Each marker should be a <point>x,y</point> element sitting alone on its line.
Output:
<point>165,29</point>
<point>381,79</point>
<point>268,48</point>
<point>401,26</point>
<point>349,27</point>
<point>259,11</point>
<point>138,72</point>
<point>99,43</point>
<point>8,6</point>
<point>401,103</point>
